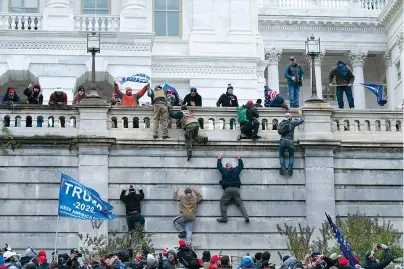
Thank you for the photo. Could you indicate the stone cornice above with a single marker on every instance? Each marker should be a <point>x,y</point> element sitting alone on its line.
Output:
<point>392,7</point>
<point>201,69</point>
<point>304,23</point>
<point>78,46</point>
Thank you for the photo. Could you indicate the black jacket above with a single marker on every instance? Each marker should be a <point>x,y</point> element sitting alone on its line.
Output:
<point>227,100</point>
<point>372,264</point>
<point>132,201</point>
<point>252,112</point>
<point>33,98</point>
<point>184,255</point>
<point>197,100</point>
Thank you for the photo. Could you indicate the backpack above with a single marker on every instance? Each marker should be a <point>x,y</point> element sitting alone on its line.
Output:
<point>284,127</point>
<point>186,257</point>
<point>241,114</point>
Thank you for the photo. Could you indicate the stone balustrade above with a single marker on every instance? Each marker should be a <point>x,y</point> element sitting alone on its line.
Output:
<point>365,5</point>
<point>21,22</point>
<point>217,123</point>
<point>101,23</point>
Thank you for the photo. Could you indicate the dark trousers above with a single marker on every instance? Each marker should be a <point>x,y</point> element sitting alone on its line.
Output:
<point>229,194</point>
<point>277,102</point>
<point>250,129</point>
<point>289,145</point>
<point>349,97</point>
<point>133,219</point>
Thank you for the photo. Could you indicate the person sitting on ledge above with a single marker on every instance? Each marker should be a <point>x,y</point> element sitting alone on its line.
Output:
<point>81,94</point>
<point>274,99</point>
<point>130,99</point>
<point>11,97</point>
<point>58,97</point>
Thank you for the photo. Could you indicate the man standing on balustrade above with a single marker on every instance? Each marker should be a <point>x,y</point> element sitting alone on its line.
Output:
<point>191,126</point>
<point>344,78</point>
<point>294,73</point>
<point>129,99</point>
<point>160,106</point>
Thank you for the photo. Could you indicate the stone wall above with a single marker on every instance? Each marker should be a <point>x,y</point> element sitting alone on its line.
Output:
<point>335,171</point>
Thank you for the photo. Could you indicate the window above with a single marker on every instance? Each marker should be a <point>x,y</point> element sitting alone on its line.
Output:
<point>24,6</point>
<point>398,68</point>
<point>96,6</point>
<point>167,17</point>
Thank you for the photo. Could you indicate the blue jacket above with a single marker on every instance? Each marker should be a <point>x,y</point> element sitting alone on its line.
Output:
<point>7,100</point>
<point>230,177</point>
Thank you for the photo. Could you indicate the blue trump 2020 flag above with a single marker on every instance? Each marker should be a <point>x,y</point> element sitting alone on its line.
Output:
<point>167,87</point>
<point>343,245</point>
<point>80,202</point>
<point>377,89</point>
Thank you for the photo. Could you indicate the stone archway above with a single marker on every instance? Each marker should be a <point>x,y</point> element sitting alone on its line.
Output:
<point>17,79</point>
<point>104,81</point>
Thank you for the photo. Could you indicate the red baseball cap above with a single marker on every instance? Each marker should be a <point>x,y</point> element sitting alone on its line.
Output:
<point>42,253</point>
<point>250,103</point>
<point>215,258</point>
<point>343,262</point>
<point>182,243</point>
<point>41,259</point>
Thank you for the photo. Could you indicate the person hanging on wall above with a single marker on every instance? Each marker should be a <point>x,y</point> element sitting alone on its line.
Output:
<point>191,126</point>
<point>344,79</point>
<point>129,99</point>
<point>231,185</point>
<point>294,73</point>
<point>188,205</point>
<point>132,203</point>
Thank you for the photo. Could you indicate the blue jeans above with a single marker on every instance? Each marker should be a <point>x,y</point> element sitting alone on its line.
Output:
<point>294,90</point>
<point>286,144</point>
<point>340,96</point>
<point>277,102</point>
<point>182,224</point>
<point>132,220</point>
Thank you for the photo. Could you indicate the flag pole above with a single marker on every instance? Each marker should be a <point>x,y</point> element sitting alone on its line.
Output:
<point>57,233</point>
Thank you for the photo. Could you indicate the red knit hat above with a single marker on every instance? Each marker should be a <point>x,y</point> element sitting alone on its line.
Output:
<point>42,253</point>
<point>215,258</point>
<point>250,103</point>
<point>165,251</point>
<point>182,243</point>
<point>343,262</point>
<point>11,90</point>
<point>41,259</point>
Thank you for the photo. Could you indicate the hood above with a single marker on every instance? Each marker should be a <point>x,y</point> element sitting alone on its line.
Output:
<point>247,261</point>
<point>206,256</point>
<point>37,86</point>
<point>173,252</point>
<point>151,261</point>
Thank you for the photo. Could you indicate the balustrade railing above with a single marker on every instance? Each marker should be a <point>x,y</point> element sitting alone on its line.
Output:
<point>31,116</point>
<point>21,22</point>
<point>365,5</point>
<point>219,123</point>
<point>97,23</point>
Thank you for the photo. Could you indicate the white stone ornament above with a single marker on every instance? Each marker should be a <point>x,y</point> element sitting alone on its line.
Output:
<point>358,57</point>
<point>273,55</point>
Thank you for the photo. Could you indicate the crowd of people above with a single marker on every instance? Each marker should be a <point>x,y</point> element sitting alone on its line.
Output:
<point>184,256</point>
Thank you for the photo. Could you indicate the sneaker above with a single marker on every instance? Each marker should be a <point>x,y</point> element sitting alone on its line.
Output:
<point>285,106</point>
<point>290,172</point>
<point>223,220</point>
<point>155,136</point>
<point>165,136</point>
<point>282,171</point>
<point>189,154</point>
<point>247,220</point>
<point>182,235</point>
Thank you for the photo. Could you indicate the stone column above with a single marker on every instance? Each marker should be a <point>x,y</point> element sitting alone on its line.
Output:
<point>319,163</point>
<point>400,42</point>
<point>136,16</point>
<point>317,66</point>
<point>357,58</point>
<point>58,15</point>
<point>202,36</point>
<point>391,102</point>
<point>261,79</point>
<point>240,18</point>
<point>273,55</point>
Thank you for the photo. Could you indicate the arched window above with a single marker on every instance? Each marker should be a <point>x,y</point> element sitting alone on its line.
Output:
<point>96,6</point>
<point>167,17</point>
